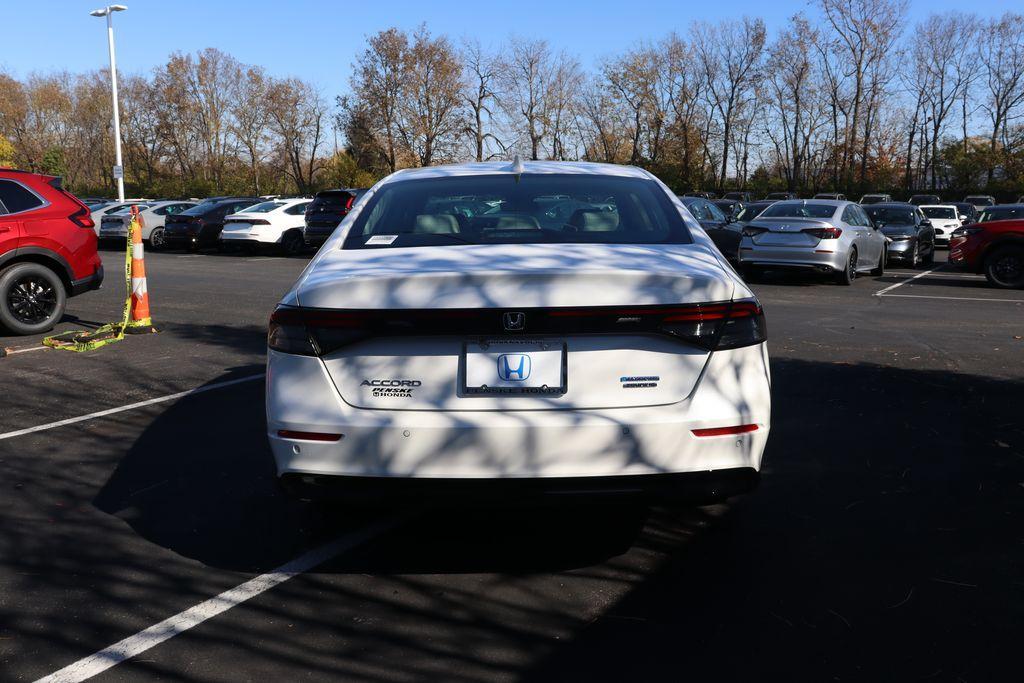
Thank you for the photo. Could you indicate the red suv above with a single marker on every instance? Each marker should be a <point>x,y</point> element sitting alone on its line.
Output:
<point>995,248</point>
<point>47,251</point>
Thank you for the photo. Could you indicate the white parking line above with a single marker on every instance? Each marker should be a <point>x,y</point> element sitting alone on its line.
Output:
<point>938,274</point>
<point>955,298</point>
<point>900,284</point>
<point>134,645</point>
<point>130,406</point>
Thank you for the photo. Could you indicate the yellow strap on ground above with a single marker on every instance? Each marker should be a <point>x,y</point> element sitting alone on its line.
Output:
<point>89,340</point>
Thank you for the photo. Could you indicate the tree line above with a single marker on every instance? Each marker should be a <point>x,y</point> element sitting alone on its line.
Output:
<point>853,98</point>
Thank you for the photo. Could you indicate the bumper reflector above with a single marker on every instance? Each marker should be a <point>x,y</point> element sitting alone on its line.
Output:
<point>723,431</point>
<point>308,436</point>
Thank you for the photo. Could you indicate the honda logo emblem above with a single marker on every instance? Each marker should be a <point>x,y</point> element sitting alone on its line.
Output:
<point>514,321</point>
<point>514,367</point>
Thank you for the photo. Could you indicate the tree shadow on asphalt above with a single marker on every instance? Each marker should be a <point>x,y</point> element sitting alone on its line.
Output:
<point>884,544</point>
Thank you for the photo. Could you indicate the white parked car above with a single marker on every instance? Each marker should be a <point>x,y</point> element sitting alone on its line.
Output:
<point>114,226</point>
<point>275,222</point>
<point>944,219</point>
<point>108,208</point>
<point>456,334</point>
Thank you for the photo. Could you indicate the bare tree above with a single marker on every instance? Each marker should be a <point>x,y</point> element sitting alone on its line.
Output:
<point>1001,48</point>
<point>943,70</point>
<point>730,56</point>
<point>865,32</point>
<point>480,96</point>
<point>527,76</point>
<point>378,85</point>
<point>250,119</point>
<point>793,97</point>
<point>298,117</point>
<point>430,108</point>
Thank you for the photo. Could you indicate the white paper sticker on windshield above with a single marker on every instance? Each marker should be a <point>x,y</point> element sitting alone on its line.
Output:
<point>382,239</point>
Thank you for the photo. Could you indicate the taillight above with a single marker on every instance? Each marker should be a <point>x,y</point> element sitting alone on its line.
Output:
<point>287,333</point>
<point>718,327</point>
<point>829,233</point>
<point>82,218</point>
<point>711,326</point>
<point>348,204</point>
<point>751,231</point>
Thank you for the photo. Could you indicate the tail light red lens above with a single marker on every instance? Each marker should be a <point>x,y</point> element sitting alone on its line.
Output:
<point>82,218</point>
<point>350,202</point>
<point>752,231</point>
<point>308,436</point>
<point>828,233</point>
<point>725,431</point>
<point>711,326</point>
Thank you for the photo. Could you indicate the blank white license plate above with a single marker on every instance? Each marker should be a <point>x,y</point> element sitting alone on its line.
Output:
<point>514,367</point>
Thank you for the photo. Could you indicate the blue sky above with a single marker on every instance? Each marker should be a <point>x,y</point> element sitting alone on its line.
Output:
<point>318,40</point>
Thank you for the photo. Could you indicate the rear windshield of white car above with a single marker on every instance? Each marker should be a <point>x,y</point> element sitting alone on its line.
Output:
<point>798,210</point>
<point>939,212</point>
<point>508,209</point>
<point>264,207</point>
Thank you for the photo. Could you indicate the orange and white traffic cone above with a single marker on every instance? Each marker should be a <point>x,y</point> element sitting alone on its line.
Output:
<point>139,322</point>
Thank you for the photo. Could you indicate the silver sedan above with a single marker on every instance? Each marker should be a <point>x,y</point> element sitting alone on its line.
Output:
<point>826,236</point>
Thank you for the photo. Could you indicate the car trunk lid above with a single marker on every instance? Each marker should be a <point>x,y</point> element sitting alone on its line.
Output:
<point>446,333</point>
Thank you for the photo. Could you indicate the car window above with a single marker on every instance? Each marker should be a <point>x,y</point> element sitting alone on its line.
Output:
<point>890,215</point>
<point>508,209</point>
<point>714,212</point>
<point>697,210</point>
<point>939,212</point>
<point>862,216</point>
<point>296,209</point>
<point>1001,213</point>
<point>17,198</point>
<point>799,209</point>
<point>265,207</point>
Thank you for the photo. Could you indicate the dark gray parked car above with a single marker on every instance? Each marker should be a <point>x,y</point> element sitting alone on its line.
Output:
<point>910,232</point>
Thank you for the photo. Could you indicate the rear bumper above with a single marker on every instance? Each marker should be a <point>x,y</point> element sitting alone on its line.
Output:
<point>824,260</point>
<point>248,240</point>
<point>522,444</point>
<point>87,284</point>
<point>315,239</point>
<point>690,487</point>
<point>180,240</point>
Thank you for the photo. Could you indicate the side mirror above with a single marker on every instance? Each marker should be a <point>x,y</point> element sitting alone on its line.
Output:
<point>926,223</point>
<point>878,224</point>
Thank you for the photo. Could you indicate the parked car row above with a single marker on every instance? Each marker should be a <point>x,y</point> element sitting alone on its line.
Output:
<point>48,237</point>
<point>289,224</point>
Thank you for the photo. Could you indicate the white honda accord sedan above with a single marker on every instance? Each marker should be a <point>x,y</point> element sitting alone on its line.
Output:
<point>545,327</point>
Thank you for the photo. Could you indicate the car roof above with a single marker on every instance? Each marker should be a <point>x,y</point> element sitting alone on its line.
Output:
<point>509,168</point>
<point>937,206</point>
<point>894,205</point>
<point>830,202</point>
<point>284,202</point>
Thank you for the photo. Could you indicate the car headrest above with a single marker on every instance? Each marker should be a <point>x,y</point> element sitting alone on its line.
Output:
<point>435,223</point>
<point>507,222</point>
<point>594,220</point>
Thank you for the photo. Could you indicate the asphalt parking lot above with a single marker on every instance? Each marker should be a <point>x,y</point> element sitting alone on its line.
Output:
<point>886,541</point>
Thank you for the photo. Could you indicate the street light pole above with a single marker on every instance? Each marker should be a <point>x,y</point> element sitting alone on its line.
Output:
<point>108,12</point>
